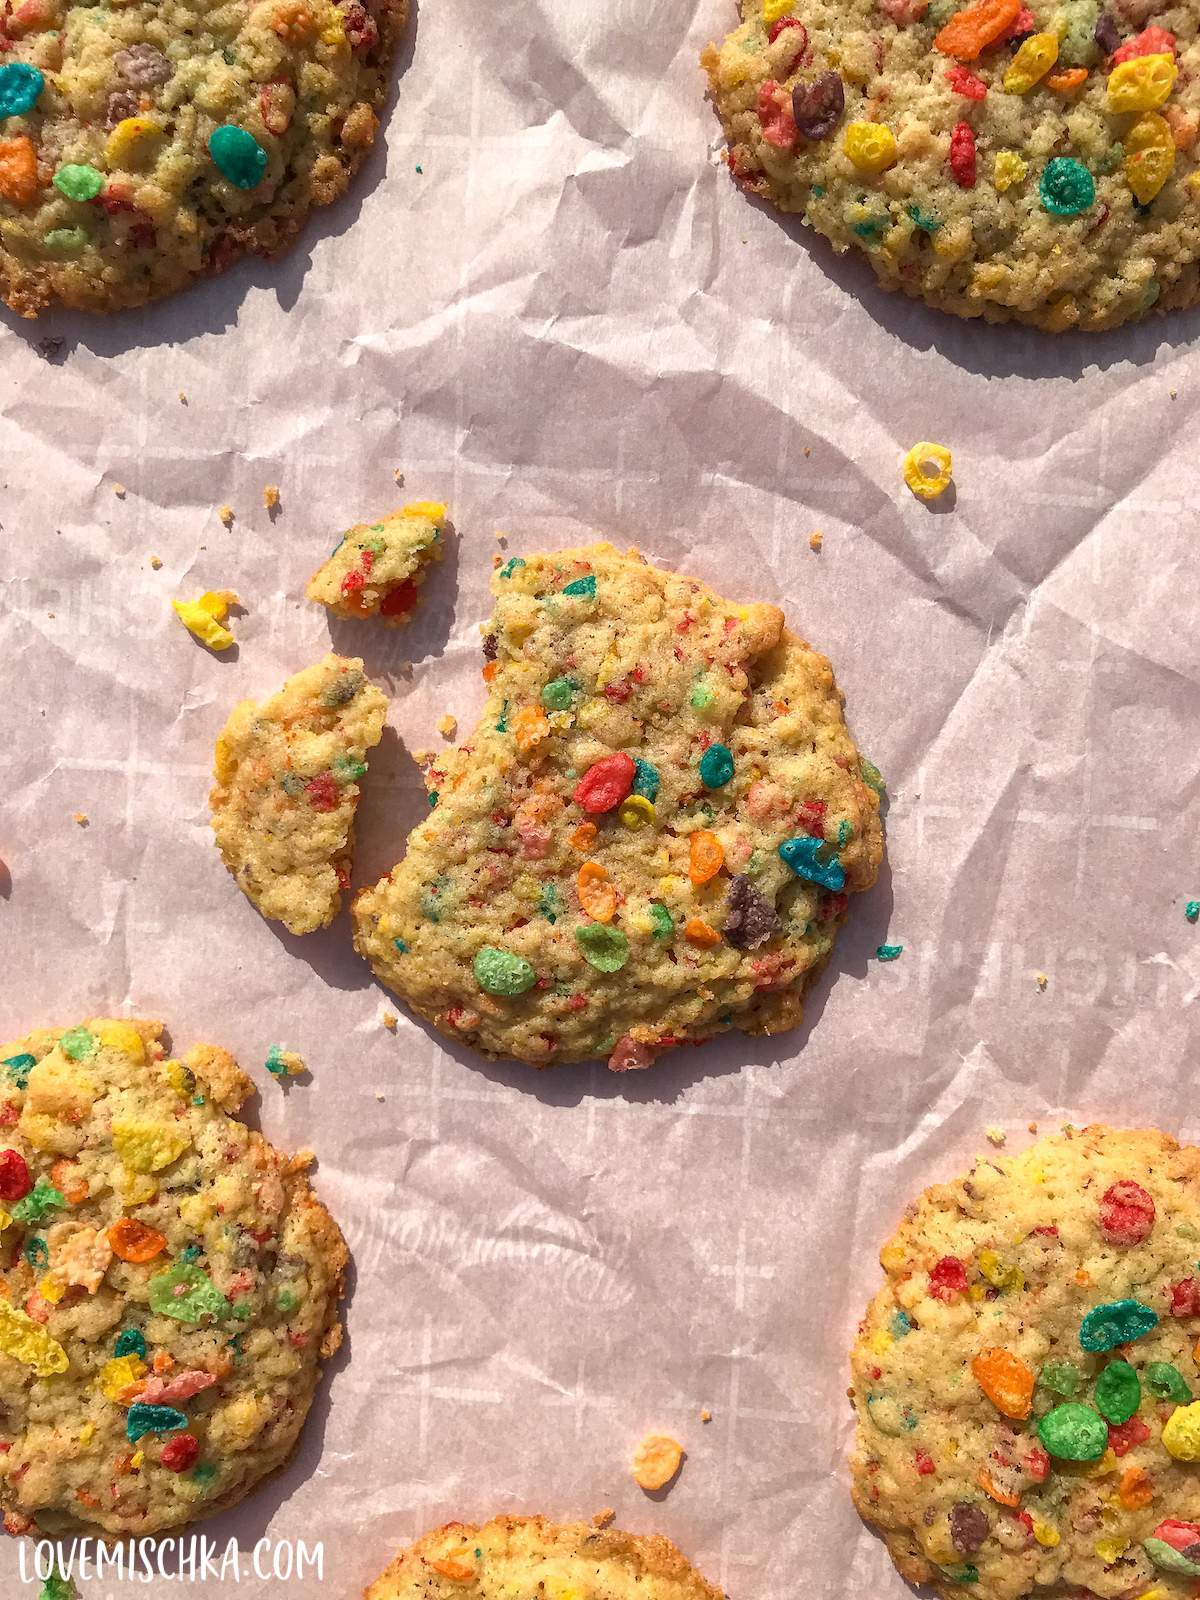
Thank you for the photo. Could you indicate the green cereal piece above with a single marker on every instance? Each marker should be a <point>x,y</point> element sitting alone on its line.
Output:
<point>560,694</point>
<point>664,923</point>
<point>964,1574</point>
<point>66,241</point>
<point>702,696</point>
<point>606,949</point>
<point>871,775</point>
<point>37,1205</point>
<point>501,972</point>
<point>204,1473</point>
<point>927,224</point>
<point>1073,1433</point>
<point>1067,187</point>
<point>716,766</point>
<point>130,1342</point>
<point>1167,1559</point>
<point>19,1068</point>
<point>36,1252</point>
<point>1191,911</point>
<point>237,155</point>
<point>1077,33</point>
<point>56,1587</point>
<point>502,725</point>
<point>78,182</point>
<point>1118,1392</point>
<point>343,689</point>
<point>1060,1377</point>
<point>1116,1323</point>
<point>347,769</point>
<point>293,784</point>
<point>187,1294</point>
<point>549,904</point>
<point>78,1043</point>
<point>1166,1382</point>
<point>143,1419</point>
<point>889,952</point>
<point>286,1301</point>
<point>645,780</point>
<point>585,587</point>
<point>510,566</point>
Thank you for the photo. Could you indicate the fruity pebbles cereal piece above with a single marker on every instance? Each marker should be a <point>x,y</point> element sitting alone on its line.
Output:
<point>144,146</point>
<point>528,1555</point>
<point>1026,1381</point>
<point>377,568</point>
<point>1030,162</point>
<point>287,789</point>
<point>169,1285</point>
<point>651,835</point>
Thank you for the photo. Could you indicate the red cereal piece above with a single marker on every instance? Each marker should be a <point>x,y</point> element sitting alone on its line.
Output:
<point>962,156</point>
<point>1153,41</point>
<point>1123,1438</point>
<point>15,1181</point>
<point>947,1279</point>
<point>1126,1213</point>
<point>323,793</point>
<point>179,1453</point>
<point>1037,1464</point>
<point>782,27</point>
<point>399,600</point>
<point>775,115</point>
<point>966,84</point>
<point>924,1464</point>
<point>1185,1298</point>
<point>606,783</point>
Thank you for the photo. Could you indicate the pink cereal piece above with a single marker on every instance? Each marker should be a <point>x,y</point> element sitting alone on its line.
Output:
<point>775,115</point>
<point>172,1391</point>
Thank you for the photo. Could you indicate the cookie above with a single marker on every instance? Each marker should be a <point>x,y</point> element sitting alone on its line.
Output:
<point>1027,1381</point>
<point>170,1285</point>
<point>287,790</point>
<point>377,568</point>
<point>651,835</point>
<point>143,146</point>
<point>530,1556</point>
<point>1035,163</point>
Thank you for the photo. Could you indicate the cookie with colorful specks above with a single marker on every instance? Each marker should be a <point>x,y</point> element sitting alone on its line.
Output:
<point>377,568</point>
<point>1031,162</point>
<point>651,836</point>
<point>1027,1381</point>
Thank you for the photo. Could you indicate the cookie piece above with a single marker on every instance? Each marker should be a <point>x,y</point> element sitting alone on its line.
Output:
<point>287,789</point>
<point>170,1285</point>
<point>531,1556</point>
<point>146,146</point>
<point>650,836</point>
<point>377,568</point>
<point>1024,1380</point>
<point>1035,163</point>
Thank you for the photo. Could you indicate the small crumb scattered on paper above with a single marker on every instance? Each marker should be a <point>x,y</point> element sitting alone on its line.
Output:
<point>119,490</point>
<point>271,496</point>
<point>996,1136</point>
<point>389,1020</point>
<point>226,515</point>
<point>816,539</point>
<point>81,819</point>
<point>447,726</point>
<point>1042,981</point>
<point>155,562</point>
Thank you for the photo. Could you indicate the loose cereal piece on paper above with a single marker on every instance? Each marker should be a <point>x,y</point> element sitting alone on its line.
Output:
<point>287,789</point>
<point>656,1461</point>
<point>526,1556</point>
<point>203,618</point>
<point>170,1285</point>
<point>650,837</point>
<point>377,568</point>
<point>1025,1379</point>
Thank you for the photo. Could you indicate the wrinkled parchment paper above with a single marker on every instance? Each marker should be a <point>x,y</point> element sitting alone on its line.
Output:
<point>547,304</point>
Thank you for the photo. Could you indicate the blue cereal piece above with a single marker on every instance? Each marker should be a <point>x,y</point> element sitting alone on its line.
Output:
<point>1116,1322</point>
<point>803,856</point>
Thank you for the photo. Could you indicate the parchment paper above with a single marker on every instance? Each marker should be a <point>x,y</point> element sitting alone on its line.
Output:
<point>549,306</point>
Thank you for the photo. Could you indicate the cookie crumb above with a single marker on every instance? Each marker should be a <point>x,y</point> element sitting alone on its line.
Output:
<point>399,477</point>
<point>706,1415</point>
<point>271,496</point>
<point>816,539</point>
<point>1042,980</point>
<point>447,726</point>
<point>389,1020</point>
<point>183,399</point>
<point>283,1064</point>
<point>496,560</point>
<point>155,562</point>
<point>604,1518</point>
<point>996,1136</point>
<point>1032,1126</point>
<point>656,1461</point>
<point>119,490</point>
<point>81,819</point>
<point>379,1097</point>
<point>226,515</point>
<point>807,451</point>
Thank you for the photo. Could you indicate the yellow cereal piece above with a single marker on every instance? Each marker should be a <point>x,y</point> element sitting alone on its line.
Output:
<point>1143,84</point>
<point>870,146</point>
<point>131,141</point>
<point>202,618</point>
<point>116,1375</point>
<point>334,31</point>
<point>136,1188</point>
<point>773,10</point>
<point>52,1289</point>
<point>177,1078</point>
<point>635,813</point>
<point>1149,156</point>
<point>1181,1435</point>
<point>1153,1594</point>
<point>5,1221</point>
<point>656,1461</point>
<point>1110,1550</point>
<point>881,1341</point>
<point>1045,1535</point>
<point>928,469</point>
<point>120,1036</point>
<point>146,1146</point>
<point>1009,170</point>
<point>23,1340</point>
<point>1031,63</point>
<point>137,1460</point>
<point>87,1433</point>
<point>431,510</point>
<point>1100,1469</point>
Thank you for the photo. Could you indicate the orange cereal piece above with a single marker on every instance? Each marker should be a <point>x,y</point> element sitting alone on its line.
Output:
<point>1136,1489</point>
<point>490,669</point>
<point>1006,1380</point>
<point>530,727</point>
<point>707,856</point>
<point>584,836</point>
<point>162,1361</point>
<point>134,1241</point>
<point>987,1484</point>
<point>60,1176</point>
<point>1067,82</point>
<point>455,1568</point>
<point>698,932</point>
<point>656,1461</point>
<point>969,32</point>
<point>596,893</point>
<point>18,170</point>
